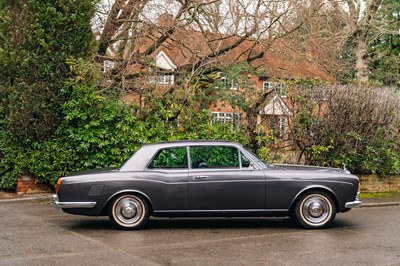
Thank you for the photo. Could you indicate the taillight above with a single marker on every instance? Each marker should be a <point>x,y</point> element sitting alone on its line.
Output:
<point>58,184</point>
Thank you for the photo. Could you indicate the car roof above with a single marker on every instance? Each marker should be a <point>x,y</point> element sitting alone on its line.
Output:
<point>141,158</point>
<point>192,142</point>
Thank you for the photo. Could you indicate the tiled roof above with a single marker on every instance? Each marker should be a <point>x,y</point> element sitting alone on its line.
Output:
<point>278,61</point>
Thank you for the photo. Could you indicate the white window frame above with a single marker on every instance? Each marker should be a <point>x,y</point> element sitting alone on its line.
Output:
<point>282,121</point>
<point>320,94</point>
<point>231,84</point>
<point>225,117</point>
<point>162,80</point>
<point>267,85</point>
<point>279,87</point>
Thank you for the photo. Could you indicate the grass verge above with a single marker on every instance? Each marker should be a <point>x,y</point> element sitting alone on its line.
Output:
<point>372,195</point>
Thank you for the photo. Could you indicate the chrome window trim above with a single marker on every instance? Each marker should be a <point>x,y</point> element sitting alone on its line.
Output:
<point>166,148</point>
<point>240,149</point>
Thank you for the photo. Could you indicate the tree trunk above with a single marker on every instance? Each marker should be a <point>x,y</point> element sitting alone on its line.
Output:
<point>361,59</point>
<point>363,29</point>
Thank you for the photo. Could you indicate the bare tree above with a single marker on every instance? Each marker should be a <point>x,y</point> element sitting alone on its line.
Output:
<point>135,29</point>
<point>338,26</point>
<point>360,18</point>
<point>320,39</point>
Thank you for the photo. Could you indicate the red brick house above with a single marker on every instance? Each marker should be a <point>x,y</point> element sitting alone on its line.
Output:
<point>278,64</point>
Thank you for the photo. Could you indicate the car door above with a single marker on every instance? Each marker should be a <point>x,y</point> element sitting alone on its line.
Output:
<point>220,179</point>
<point>168,174</point>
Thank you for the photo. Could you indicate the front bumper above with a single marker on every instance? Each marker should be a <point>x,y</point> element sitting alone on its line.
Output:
<point>354,204</point>
<point>72,205</point>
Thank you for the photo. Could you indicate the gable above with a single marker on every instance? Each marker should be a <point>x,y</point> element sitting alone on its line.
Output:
<point>276,107</point>
<point>163,61</point>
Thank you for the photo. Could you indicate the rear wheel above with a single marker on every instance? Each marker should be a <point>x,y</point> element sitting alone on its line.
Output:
<point>315,210</point>
<point>128,211</point>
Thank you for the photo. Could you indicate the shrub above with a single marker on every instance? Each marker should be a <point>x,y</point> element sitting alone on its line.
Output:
<point>99,131</point>
<point>36,39</point>
<point>351,125</point>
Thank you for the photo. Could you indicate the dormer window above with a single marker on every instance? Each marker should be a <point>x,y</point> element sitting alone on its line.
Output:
<point>162,61</point>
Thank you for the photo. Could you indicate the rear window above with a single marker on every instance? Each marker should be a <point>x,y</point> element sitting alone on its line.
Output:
<point>170,158</point>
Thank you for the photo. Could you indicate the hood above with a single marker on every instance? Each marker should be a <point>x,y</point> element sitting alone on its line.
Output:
<point>94,171</point>
<point>307,168</point>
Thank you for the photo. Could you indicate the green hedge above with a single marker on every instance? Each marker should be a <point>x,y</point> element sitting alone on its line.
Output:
<point>99,131</point>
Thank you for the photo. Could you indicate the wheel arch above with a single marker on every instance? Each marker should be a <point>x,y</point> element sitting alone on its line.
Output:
<point>314,188</point>
<point>124,192</point>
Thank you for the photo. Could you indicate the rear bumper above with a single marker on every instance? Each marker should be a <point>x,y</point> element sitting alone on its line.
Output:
<point>72,205</point>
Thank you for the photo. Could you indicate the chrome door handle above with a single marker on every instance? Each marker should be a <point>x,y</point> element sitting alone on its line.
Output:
<point>199,177</point>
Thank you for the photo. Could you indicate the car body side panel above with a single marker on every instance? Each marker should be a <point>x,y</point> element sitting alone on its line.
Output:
<point>226,189</point>
<point>165,189</point>
<point>284,186</point>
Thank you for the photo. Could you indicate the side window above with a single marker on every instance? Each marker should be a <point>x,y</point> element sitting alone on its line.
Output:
<point>214,157</point>
<point>171,158</point>
<point>245,161</point>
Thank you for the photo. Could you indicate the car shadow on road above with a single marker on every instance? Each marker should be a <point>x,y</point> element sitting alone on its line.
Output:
<point>221,223</point>
<point>195,224</point>
<point>99,223</point>
<point>102,223</point>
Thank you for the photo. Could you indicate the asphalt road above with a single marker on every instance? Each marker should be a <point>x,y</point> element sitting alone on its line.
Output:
<point>34,233</point>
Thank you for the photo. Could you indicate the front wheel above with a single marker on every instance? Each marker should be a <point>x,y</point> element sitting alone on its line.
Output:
<point>128,212</point>
<point>315,210</point>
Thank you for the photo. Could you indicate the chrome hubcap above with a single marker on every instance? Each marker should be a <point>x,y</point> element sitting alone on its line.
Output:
<point>316,209</point>
<point>129,210</point>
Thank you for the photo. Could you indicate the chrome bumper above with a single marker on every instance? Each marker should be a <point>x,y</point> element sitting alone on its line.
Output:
<point>65,205</point>
<point>353,204</point>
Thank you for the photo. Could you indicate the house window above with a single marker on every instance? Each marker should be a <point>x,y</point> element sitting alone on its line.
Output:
<point>282,121</point>
<point>224,118</point>
<point>231,84</point>
<point>280,88</point>
<point>320,94</point>
<point>278,124</point>
<point>162,80</point>
<point>267,85</point>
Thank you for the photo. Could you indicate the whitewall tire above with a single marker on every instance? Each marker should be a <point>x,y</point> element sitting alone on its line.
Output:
<point>315,210</point>
<point>128,211</point>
